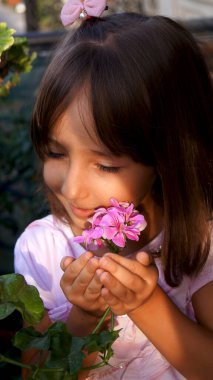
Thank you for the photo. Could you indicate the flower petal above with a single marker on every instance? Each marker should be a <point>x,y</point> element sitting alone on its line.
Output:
<point>131,235</point>
<point>109,232</point>
<point>96,233</point>
<point>119,240</point>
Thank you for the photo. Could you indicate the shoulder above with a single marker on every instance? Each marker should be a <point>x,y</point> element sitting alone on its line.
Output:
<point>37,256</point>
<point>44,241</point>
<point>44,231</point>
<point>49,223</point>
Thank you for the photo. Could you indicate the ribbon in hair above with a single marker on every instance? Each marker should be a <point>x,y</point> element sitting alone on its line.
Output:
<point>75,9</point>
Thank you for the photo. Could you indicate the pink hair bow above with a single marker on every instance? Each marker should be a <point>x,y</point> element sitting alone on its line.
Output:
<point>75,9</point>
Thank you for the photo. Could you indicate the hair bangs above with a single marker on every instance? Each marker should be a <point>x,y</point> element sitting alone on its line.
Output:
<point>119,106</point>
<point>61,82</point>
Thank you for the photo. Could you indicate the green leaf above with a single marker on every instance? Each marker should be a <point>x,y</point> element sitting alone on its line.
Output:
<point>100,342</point>
<point>92,343</point>
<point>30,338</point>
<point>76,355</point>
<point>25,298</point>
<point>15,58</point>
<point>40,374</point>
<point>107,337</point>
<point>6,309</point>
<point>6,38</point>
<point>56,342</point>
<point>59,337</point>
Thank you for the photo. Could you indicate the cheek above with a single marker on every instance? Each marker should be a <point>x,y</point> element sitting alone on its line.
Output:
<point>51,176</point>
<point>140,185</point>
<point>147,181</point>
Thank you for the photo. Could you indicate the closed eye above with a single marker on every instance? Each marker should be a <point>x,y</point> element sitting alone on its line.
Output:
<point>56,155</point>
<point>109,169</point>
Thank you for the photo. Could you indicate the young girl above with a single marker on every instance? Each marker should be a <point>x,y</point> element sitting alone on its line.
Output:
<point>125,110</point>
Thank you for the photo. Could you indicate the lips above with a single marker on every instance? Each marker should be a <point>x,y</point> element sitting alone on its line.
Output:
<point>81,212</point>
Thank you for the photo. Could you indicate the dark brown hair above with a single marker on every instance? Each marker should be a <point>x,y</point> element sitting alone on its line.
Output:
<point>151,98</point>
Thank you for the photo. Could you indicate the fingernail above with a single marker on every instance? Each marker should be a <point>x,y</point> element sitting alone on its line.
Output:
<point>143,257</point>
<point>104,262</point>
<point>88,255</point>
<point>65,262</point>
<point>99,272</point>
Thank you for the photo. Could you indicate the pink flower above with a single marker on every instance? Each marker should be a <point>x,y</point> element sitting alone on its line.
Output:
<point>113,226</point>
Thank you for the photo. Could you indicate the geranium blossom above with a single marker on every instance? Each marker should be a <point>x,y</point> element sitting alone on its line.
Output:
<point>112,226</point>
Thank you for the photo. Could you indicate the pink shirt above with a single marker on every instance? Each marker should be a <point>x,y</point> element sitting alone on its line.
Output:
<point>38,253</point>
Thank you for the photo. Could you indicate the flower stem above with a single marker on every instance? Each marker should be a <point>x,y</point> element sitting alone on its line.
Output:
<point>112,247</point>
<point>14,362</point>
<point>101,320</point>
<point>98,365</point>
<point>112,322</point>
<point>4,359</point>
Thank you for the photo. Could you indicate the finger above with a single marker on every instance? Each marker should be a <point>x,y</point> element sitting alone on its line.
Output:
<point>94,287</point>
<point>116,306</point>
<point>130,273</point>
<point>144,258</point>
<point>87,274</point>
<point>114,264</point>
<point>122,282</point>
<point>75,267</point>
<point>67,260</point>
<point>109,298</point>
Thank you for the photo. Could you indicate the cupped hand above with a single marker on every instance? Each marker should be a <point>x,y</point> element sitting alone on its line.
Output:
<point>81,284</point>
<point>127,282</point>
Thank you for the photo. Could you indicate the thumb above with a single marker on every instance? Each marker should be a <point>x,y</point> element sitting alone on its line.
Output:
<point>65,262</point>
<point>144,258</point>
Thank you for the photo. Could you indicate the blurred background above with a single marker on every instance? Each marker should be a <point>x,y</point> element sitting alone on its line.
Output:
<point>43,15</point>
<point>20,198</point>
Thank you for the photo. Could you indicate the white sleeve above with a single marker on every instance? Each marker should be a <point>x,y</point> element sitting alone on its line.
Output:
<point>38,253</point>
<point>205,276</point>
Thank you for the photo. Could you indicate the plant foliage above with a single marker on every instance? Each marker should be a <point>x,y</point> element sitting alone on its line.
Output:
<point>7,39</point>
<point>65,353</point>
<point>15,58</point>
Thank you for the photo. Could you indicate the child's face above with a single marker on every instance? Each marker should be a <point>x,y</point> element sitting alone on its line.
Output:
<point>84,175</point>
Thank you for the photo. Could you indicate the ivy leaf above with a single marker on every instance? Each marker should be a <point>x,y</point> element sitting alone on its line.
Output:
<point>107,338</point>
<point>19,56</point>
<point>76,355</point>
<point>6,38</point>
<point>59,337</point>
<point>100,342</point>
<point>15,293</point>
<point>30,338</point>
<point>52,375</point>
<point>6,309</point>
<point>15,58</point>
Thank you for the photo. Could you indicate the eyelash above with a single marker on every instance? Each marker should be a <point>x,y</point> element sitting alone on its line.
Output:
<point>55,154</point>
<point>108,169</point>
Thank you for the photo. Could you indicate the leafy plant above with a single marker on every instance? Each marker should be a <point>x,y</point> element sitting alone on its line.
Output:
<point>7,39</point>
<point>16,294</point>
<point>15,58</point>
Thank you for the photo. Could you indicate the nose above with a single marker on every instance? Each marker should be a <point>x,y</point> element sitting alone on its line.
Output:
<point>74,185</point>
